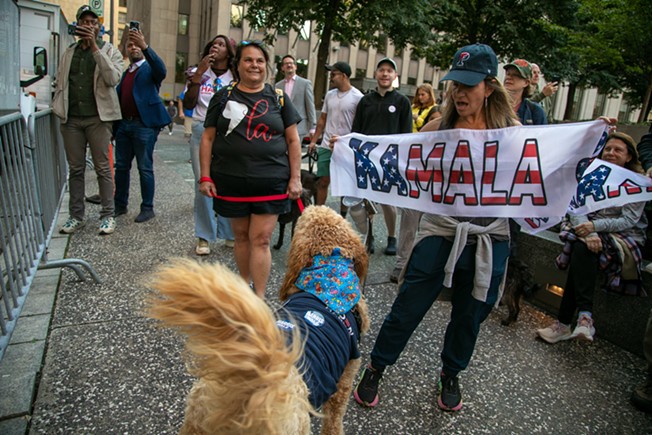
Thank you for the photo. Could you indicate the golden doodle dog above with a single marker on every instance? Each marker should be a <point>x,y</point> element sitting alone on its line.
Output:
<point>261,372</point>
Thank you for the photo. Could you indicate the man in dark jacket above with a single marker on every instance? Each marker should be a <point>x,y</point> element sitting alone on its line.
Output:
<point>384,111</point>
<point>143,116</point>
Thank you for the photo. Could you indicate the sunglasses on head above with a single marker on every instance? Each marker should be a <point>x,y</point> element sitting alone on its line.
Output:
<point>256,43</point>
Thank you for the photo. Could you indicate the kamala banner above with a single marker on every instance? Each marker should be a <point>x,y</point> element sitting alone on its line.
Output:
<point>519,172</point>
<point>600,185</point>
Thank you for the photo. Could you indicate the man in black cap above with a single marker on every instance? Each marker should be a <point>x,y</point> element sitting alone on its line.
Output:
<point>384,111</point>
<point>335,120</point>
<point>86,101</point>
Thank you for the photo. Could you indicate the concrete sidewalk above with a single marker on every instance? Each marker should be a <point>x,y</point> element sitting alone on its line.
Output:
<point>85,360</point>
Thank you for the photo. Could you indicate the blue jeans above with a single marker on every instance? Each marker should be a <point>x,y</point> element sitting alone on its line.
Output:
<point>133,139</point>
<point>207,226</point>
<point>421,286</point>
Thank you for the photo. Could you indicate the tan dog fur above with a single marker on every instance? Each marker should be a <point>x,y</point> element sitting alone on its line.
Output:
<point>248,381</point>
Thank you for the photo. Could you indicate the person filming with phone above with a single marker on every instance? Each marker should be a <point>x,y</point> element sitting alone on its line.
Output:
<point>143,117</point>
<point>86,101</point>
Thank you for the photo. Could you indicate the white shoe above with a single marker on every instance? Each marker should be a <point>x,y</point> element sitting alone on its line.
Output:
<point>107,226</point>
<point>229,243</point>
<point>170,133</point>
<point>202,247</point>
<point>584,329</point>
<point>555,333</point>
<point>71,225</point>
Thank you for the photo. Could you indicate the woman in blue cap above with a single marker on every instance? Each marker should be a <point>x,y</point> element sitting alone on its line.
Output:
<point>475,100</point>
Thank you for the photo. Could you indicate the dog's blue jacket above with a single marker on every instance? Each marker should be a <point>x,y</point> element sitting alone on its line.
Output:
<point>330,342</point>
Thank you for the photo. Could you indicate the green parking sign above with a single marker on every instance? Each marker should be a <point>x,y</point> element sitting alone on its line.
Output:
<point>97,6</point>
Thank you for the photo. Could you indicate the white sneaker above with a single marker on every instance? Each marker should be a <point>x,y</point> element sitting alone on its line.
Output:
<point>555,333</point>
<point>71,225</point>
<point>229,243</point>
<point>584,329</point>
<point>202,247</point>
<point>107,226</point>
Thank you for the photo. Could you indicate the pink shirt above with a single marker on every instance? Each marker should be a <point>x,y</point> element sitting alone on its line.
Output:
<point>289,85</point>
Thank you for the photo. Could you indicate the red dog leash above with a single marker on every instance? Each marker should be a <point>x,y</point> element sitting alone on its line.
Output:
<point>263,198</point>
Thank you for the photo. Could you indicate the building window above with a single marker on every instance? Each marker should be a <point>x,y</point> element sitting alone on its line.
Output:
<point>360,73</point>
<point>363,44</point>
<point>305,31</point>
<point>398,52</point>
<point>412,81</point>
<point>122,18</point>
<point>183,24</point>
<point>123,3</point>
<point>237,11</point>
<point>181,65</point>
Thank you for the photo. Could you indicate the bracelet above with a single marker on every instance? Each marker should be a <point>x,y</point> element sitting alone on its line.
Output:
<point>205,180</point>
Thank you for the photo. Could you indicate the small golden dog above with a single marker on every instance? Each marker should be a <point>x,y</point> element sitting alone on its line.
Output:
<point>254,367</point>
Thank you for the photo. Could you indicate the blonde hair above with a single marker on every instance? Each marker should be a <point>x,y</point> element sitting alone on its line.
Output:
<point>498,110</point>
<point>248,376</point>
<point>430,91</point>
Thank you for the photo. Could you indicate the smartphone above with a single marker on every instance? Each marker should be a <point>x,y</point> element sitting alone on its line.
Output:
<point>72,29</point>
<point>134,25</point>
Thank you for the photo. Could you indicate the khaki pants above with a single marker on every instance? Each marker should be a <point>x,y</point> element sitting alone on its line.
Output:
<point>77,132</point>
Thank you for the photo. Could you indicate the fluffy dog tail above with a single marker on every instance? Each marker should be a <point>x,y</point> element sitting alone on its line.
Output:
<point>248,380</point>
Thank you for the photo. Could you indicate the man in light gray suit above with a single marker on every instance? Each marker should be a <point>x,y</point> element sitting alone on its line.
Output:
<point>300,92</point>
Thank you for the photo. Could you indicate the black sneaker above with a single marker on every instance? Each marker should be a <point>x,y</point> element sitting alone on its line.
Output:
<point>450,397</point>
<point>366,393</point>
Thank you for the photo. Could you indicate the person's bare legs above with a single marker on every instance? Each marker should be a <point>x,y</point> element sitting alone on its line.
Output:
<point>252,255</point>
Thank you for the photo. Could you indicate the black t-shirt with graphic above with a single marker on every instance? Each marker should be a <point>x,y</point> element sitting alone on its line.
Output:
<point>250,138</point>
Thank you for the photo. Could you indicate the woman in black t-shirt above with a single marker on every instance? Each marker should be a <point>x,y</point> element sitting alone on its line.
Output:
<point>250,158</point>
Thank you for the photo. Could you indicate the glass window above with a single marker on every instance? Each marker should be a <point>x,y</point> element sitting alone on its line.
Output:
<point>305,31</point>
<point>122,18</point>
<point>360,72</point>
<point>123,3</point>
<point>363,44</point>
<point>181,65</point>
<point>237,11</point>
<point>183,24</point>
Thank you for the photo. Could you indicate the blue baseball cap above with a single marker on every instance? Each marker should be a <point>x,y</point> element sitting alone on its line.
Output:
<point>472,64</point>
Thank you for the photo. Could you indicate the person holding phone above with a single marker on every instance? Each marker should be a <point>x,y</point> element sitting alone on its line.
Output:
<point>143,116</point>
<point>86,101</point>
<point>215,71</point>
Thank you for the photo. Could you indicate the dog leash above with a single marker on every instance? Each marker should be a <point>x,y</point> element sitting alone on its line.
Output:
<point>262,198</point>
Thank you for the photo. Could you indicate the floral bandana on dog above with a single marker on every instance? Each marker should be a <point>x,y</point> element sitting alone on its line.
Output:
<point>333,280</point>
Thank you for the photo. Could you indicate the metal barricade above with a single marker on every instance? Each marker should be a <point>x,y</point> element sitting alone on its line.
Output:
<point>32,181</point>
